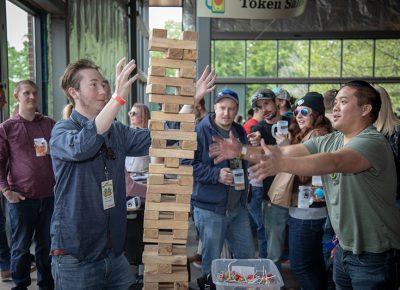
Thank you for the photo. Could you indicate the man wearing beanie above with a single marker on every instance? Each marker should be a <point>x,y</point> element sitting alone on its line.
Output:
<point>219,204</point>
<point>359,176</point>
<point>274,216</point>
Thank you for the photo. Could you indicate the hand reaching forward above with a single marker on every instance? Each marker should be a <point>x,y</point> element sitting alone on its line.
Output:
<point>205,84</point>
<point>225,176</point>
<point>122,81</point>
<point>283,139</point>
<point>268,164</point>
<point>224,149</point>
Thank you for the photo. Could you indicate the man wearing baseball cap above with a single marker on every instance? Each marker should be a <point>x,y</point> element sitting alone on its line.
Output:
<point>219,204</point>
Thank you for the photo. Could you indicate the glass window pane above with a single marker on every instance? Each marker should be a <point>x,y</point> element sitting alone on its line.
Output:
<point>293,58</point>
<point>387,56</point>
<point>357,58</point>
<point>325,58</point>
<point>230,58</point>
<point>261,58</point>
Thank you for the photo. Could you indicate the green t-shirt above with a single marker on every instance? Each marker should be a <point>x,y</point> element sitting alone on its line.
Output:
<point>361,205</point>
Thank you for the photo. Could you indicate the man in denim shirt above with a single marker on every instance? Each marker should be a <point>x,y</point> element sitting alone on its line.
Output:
<point>88,154</point>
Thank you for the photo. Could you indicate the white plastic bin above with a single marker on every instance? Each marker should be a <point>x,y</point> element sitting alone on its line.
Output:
<point>245,267</point>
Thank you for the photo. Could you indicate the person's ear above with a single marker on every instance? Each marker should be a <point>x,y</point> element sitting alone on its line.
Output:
<point>366,109</point>
<point>73,93</point>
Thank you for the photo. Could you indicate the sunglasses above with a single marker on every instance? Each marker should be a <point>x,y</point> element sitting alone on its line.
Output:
<point>304,112</point>
<point>131,114</point>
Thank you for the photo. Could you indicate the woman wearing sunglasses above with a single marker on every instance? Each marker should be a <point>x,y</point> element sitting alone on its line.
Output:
<point>306,223</point>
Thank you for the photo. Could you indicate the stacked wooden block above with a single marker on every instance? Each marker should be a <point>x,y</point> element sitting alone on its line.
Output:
<point>166,219</point>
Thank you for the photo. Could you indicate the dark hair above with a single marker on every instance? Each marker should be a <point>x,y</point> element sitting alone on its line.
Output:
<point>71,77</point>
<point>366,94</point>
<point>329,99</point>
<point>321,123</point>
<point>250,112</point>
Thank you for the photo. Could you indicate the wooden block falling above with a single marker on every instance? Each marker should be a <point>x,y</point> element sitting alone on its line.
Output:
<point>187,126</point>
<point>171,162</point>
<point>170,108</point>
<point>158,143</point>
<point>190,54</point>
<point>186,90</point>
<point>174,53</point>
<point>189,145</point>
<point>162,169</point>
<point>156,71</point>
<point>156,32</point>
<point>155,89</point>
<point>171,99</point>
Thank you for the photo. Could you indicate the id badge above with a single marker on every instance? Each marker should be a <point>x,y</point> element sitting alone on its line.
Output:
<point>108,194</point>
<point>41,147</point>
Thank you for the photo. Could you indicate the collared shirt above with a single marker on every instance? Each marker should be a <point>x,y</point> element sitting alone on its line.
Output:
<point>80,225</point>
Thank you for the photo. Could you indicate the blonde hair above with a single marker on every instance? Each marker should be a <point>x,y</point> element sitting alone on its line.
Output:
<point>144,112</point>
<point>67,111</point>
<point>18,86</point>
<point>387,122</point>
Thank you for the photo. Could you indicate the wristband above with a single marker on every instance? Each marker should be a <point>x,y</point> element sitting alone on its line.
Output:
<point>119,99</point>
<point>243,152</point>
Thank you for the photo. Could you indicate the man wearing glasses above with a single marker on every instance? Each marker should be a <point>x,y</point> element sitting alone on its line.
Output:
<point>88,153</point>
<point>359,175</point>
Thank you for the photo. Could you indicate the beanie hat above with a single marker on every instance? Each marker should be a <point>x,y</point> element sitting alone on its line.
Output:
<point>262,94</point>
<point>313,100</point>
<point>227,94</point>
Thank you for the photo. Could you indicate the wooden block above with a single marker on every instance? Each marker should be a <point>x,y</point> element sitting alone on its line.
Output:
<point>157,43</point>
<point>180,234</point>
<point>165,237</point>
<point>187,126</point>
<point>186,90</point>
<point>153,197</point>
<point>172,153</point>
<point>183,198</point>
<point>171,99</point>
<point>170,108</point>
<point>185,180</point>
<point>151,215</point>
<point>171,162</point>
<point>155,179</point>
<point>162,169</point>
<point>190,54</point>
<point>188,35</point>
<point>150,233</point>
<point>167,206</point>
<point>155,89</point>
<point>181,216</point>
<point>161,116</point>
<point>171,188</point>
<point>162,33</point>
<point>165,249</point>
<point>171,81</point>
<point>166,224</point>
<point>179,273</point>
<point>171,63</point>
<point>156,125</point>
<point>156,71</point>
<point>166,286</point>
<point>174,135</point>
<point>164,268</point>
<point>174,53</point>
<point>151,286</point>
<point>158,143</point>
<point>189,145</point>
<point>181,285</point>
<point>187,73</point>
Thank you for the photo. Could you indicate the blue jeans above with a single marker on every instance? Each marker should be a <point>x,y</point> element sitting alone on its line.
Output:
<point>366,271</point>
<point>4,248</point>
<point>215,228</point>
<point>275,220</point>
<point>305,251</point>
<point>29,219</point>
<point>255,210</point>
<point>113,273</point>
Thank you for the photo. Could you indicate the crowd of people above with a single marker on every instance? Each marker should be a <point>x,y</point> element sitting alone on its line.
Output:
<point>65,184</point>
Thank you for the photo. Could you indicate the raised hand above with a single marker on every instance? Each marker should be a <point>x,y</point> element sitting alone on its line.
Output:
<point>224,149</point>
<point>205,84</point>
<point>254,138</point>
<point>282,139</point>
<point>268,164</point>
<point>122,81</point>
<point>225,176</point>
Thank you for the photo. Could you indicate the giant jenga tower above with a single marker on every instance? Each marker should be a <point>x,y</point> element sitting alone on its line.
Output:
<point>166,218</point>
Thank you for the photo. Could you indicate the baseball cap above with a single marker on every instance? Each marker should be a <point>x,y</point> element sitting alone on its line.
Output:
<point>262,94</point>
<point>227,94</point>
<point>313,100</point>
<point>281,93</point>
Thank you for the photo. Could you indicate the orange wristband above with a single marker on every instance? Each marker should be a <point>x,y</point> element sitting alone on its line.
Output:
<point>119,99</point>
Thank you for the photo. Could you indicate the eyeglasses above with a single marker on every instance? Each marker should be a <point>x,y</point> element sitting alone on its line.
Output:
<point>131,113</point>
<point>304,112</point>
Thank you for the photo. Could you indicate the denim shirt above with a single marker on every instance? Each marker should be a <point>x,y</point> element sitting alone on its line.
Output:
<point>80,226</point>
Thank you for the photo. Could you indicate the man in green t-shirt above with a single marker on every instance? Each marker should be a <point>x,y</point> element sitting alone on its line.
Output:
<point>359,176</point>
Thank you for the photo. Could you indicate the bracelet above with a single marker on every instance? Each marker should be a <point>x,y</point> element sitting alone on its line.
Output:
<point>243,152</point>
<point>119,99</point>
